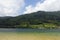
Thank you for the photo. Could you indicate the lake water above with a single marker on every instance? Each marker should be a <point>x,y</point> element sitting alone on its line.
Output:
<point>29,34</point>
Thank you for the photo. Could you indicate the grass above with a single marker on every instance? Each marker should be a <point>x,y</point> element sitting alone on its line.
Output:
<point>45,25</point>
<point>39,26</point>
<point>30,36</point>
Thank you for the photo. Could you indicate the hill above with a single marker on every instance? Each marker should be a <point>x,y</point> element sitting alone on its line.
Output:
<point>40,19</point>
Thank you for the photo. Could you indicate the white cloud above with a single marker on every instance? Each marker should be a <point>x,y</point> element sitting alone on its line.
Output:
<point>47,5</point>
<point>10,7</point>
<point>29,9</point>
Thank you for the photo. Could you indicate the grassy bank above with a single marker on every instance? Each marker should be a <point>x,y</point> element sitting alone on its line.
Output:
<point>39,26</point>
<point>29,36</point>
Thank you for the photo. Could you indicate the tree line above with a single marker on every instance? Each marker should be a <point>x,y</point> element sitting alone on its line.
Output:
<point>40,19</point>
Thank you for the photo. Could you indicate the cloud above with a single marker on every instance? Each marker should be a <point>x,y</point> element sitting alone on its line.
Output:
<point>10,7</point>
<point>47,5</point>
<point>29,9</point>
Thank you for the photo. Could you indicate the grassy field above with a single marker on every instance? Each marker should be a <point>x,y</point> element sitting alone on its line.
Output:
<point>29,36</point>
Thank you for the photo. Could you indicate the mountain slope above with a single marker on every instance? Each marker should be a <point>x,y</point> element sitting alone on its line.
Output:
<point>36,18</point>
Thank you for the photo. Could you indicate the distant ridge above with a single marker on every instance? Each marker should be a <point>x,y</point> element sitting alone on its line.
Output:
<point>35,18</point>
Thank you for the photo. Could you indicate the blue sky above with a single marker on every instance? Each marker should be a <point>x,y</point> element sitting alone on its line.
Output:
<point>19,7</point>
<point>27,3</point>
<point>31,2</point>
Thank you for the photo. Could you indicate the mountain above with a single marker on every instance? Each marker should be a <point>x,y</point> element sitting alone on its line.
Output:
<point>40,18</point>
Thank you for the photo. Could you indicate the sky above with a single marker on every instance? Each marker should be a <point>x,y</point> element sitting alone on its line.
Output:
<point>19,7</point>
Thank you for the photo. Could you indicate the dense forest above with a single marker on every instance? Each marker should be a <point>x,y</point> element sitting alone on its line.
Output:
<point>40,19</point>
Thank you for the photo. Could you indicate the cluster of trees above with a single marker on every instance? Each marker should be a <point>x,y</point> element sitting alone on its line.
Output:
<point>38,19</point>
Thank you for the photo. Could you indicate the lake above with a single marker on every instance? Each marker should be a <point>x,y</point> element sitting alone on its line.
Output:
<point>29,34</point>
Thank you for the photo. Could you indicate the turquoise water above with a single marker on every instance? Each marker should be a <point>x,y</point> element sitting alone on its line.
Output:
<point>38,30</point>
<point>30,30</point>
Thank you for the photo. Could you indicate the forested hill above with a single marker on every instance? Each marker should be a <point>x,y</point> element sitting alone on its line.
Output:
<point>40,19</point>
